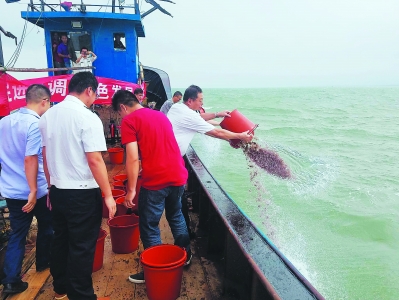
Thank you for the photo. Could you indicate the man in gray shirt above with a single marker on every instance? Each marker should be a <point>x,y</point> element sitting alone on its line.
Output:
<point>168,104</point>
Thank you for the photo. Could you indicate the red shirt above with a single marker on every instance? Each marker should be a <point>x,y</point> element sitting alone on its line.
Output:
<point>161,161</point>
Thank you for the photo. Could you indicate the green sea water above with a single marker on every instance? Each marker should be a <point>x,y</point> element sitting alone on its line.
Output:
<point>337,220</point>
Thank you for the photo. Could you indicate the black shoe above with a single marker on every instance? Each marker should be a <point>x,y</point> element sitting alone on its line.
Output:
<point>137,278</point>
<point>14,288</point>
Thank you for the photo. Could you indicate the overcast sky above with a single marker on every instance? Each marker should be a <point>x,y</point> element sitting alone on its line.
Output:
<point>253,43</point>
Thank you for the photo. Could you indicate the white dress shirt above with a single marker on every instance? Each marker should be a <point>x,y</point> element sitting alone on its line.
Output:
<point>70,130</point>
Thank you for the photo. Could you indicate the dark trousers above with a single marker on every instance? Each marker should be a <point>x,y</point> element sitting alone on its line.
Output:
<point>151,206</point>
<point>20,223</point>
<point>76,223</point>
<point>58,65</point>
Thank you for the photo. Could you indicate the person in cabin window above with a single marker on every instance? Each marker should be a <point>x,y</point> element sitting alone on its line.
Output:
<point>24,186</point>
<point>139,93</point>
<point>63,52</point>
<point>58,62</point>
<point>86,59</point>
<point>168,103</point>
<point>73,139</point>
<point>118,43</point>
<point>163,172</point>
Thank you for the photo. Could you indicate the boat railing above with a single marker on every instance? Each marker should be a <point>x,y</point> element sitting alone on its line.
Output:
<point>254,267</point>
<point>42,6</point>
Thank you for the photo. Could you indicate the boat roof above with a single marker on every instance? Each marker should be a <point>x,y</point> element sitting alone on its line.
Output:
<point>39,18</point>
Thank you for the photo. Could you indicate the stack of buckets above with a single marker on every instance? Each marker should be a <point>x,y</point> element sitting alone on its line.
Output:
<point>120,182</point>
<point>124,229</point>
<point>163,271</point>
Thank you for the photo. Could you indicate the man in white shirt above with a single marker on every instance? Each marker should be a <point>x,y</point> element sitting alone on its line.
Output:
<point>73,139</point>
<point>186,121</point>
<point>85,59</point>
<point>168,103</point>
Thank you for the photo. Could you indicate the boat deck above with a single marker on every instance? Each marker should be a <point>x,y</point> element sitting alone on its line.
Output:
<point>200,278</point>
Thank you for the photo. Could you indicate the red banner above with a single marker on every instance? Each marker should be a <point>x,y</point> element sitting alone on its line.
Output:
<point>12,91</point>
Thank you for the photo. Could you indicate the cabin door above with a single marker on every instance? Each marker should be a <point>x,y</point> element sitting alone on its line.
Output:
<point>124,58</point>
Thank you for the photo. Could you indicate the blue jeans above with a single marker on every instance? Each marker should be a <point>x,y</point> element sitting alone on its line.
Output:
<point>20,223</point>
<point>151,207</point>
<point>68,65</point>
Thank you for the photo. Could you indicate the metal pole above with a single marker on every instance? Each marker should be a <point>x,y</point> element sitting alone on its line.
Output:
<point>31,5</point>
<point>1,54</point>
<point>113,6</point>
<point>136,7</point>
<point>42,5</point>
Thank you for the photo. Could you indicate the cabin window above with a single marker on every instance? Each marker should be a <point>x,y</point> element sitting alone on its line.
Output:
<point>56,40</point>
<point>79,40</point>
<point>119,41</point>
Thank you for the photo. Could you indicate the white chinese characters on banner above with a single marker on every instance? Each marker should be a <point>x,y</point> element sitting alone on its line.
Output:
<point>58,86</point>
<point>102,91</point>
<point>17,92</point>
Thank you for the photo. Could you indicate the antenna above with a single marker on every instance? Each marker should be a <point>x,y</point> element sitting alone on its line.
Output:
<point>82,8</point>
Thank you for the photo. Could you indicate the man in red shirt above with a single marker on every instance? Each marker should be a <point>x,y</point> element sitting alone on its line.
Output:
<point>148,133</point>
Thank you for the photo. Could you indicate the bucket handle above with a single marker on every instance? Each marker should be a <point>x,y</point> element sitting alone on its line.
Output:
<point>253,129</point>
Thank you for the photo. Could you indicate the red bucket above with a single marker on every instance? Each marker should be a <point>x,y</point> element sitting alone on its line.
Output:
<point>163,256</point>
<point>120,208</point>
<point>162,273</point>
<point>99,253</point>
<point>115,194</point>
<point>125,234</point>
<point>116,155</point>
<point>119,185</point>
<point>237,123</point>
<point>120,177</point>
<point>135,208</point>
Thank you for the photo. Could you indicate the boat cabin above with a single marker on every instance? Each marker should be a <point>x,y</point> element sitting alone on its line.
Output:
<point>116,46</point>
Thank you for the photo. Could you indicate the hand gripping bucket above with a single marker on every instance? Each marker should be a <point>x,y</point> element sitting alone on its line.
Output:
<point>99,253</point>
<point>163,271</point>
<point>115,194</point>
<point>121,209</point>
<point>124,231</point>
<point>122,186</point>
<point>115,155</point>
<point>237,123</point>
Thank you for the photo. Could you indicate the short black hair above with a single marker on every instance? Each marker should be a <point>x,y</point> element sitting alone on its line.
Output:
<point>37,92</point>
<point>191,93</point>
<point>123,97</point>
<point>81,81</point>
<point>84,48</point>
<point>177,93</point>
<point>138,91</point>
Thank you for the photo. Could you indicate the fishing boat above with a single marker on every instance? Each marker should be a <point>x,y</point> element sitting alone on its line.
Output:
<point>232,258</point>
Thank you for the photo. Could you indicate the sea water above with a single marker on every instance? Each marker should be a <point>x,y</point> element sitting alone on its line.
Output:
<point>337,219</point>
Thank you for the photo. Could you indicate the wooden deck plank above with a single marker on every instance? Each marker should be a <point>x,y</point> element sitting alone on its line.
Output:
<point>36,281</point>
<point>46,292</point>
